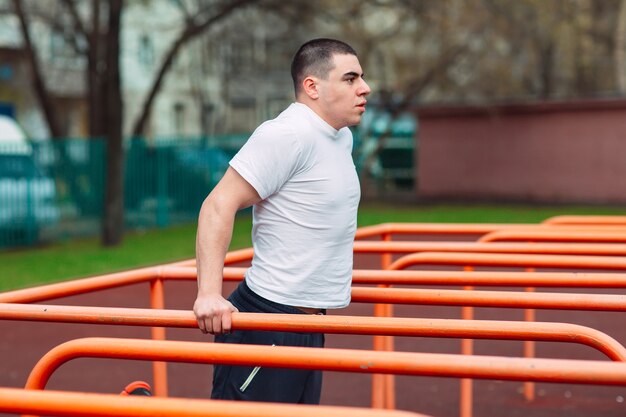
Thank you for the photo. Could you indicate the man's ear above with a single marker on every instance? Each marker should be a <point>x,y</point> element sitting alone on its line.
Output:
<point>309,86</point>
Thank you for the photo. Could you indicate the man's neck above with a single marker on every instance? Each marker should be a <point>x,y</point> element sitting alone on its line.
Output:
<point>312,104</point>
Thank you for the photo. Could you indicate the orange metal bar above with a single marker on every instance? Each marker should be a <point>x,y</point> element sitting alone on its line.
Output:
<point>602,249</point>
<point>72,404</point>
<point>461,228</point>
<point>350,360</point>
<point>159,369</point>
<point>435,228</point>
<point>455,278</point>
<point>538,279</point>
<point>363,276</point>
<point>241,255</point>
<point>508,299</point>
<point>556,235</point>
<point>79,286</point>
<point>511,260</point>
<point>586,220</point>
<point>396,326</point>
<point>389,247</point>
<point>102,282</point>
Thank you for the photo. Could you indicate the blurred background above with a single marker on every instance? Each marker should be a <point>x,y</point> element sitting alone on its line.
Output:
<point>119,115</point>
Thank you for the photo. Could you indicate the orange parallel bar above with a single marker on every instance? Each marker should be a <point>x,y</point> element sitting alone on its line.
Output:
<point>393,326</point>
<point>463,228</point>
<point>508,299</point>
<point>556,235</point>
<point>586,220</point>
<point>434,228</point>
<point>509,260</point>
<point>363,276</point>
<point>64,403</point>
<point>79,286</point>
<point>489,278</point>
<point>102,282</point>
<point>433,297</point>
<point>500,247</point>
<point>453,278</point>
<point>241,255</point>
<point>328,359</point>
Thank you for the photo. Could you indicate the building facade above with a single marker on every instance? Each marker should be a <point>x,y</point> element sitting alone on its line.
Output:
<point>224,81</point>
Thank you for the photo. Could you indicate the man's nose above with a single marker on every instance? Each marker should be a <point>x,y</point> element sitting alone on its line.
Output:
<point>365,89</point>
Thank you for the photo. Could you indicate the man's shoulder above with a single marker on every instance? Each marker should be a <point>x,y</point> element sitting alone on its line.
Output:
<point>291,122</point>
<point>274,128</point>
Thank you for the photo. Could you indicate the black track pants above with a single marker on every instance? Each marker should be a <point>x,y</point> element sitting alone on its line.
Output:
<point>251,383</point>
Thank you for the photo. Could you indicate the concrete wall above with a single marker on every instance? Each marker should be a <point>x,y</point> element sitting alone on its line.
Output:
<point>547,152</point>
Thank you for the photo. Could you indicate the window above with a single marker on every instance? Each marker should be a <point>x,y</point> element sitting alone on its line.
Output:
<point>145,54</point>
<point>179,118</point>
<point>62,51</point>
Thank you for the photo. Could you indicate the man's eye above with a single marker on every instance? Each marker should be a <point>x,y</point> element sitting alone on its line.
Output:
<point>350,80</point>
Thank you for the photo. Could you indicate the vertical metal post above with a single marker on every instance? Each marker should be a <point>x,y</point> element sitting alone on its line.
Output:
<point>467,348</point>
<point>380,388</point>
<point>383,386</point>
<point>159,369</point>
<point>529,346</point>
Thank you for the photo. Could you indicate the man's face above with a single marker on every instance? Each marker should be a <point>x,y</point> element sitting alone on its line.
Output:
<point>342,95</point>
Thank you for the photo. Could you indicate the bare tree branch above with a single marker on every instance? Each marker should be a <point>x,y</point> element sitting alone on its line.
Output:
<point>37,78</point>
<point>78,24</point>
<point>189,33</point>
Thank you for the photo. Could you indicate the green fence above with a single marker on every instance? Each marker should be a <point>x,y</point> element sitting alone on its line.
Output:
<point>54,190</point>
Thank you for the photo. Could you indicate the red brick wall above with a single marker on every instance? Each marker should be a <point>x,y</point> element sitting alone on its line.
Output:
<point>549,152</point>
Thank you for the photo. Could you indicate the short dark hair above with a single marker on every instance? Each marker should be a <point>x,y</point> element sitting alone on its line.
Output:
<point>315,58</point>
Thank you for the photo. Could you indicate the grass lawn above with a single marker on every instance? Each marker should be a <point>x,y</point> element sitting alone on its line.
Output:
<point>80,258</point>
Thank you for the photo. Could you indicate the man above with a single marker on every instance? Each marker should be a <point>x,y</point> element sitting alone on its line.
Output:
<point>297,172</point>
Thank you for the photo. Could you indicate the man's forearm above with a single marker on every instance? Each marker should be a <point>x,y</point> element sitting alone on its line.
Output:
<point>215,229</point>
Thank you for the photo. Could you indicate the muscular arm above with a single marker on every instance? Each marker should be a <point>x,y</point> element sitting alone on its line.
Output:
<point>215,227</point>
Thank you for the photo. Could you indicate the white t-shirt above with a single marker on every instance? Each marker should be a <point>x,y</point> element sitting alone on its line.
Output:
<point>303,229</point>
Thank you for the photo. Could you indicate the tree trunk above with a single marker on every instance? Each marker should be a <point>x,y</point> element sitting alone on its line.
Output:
<point>620,49</point>
<point>546,67</point>
<point>113,221</point>
<point>94,77</point>
<point>45,101</point>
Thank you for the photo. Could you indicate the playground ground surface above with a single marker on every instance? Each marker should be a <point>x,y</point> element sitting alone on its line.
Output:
<point>23,343</point>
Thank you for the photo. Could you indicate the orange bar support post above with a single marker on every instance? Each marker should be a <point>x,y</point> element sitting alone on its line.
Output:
<point>381,388</point>
<point>159,369</point>
<point>529,346</point>
<point>389,385</point>
<point>467,348</point>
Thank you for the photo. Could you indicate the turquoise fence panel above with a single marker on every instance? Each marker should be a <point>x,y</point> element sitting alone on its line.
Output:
<point>54,190</point>
<point>166,181</point>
